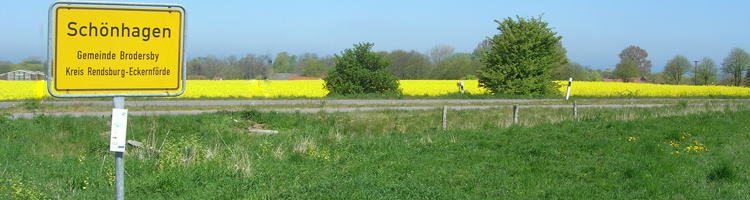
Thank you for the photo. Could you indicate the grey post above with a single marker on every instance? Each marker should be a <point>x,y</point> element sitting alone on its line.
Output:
<point>445,113</point>
<point>575,108</point>
<point>515,113</point>
<point>119,103</point>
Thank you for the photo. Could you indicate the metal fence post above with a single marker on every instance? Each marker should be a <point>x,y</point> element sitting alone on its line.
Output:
<point>119,103</point>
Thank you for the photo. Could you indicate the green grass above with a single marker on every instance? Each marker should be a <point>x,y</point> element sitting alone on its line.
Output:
<point>604,154</point>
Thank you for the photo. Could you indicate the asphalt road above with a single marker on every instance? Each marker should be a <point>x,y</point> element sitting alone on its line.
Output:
<point>334,110</point>
<point>396,105</point>
<point>283,102</point>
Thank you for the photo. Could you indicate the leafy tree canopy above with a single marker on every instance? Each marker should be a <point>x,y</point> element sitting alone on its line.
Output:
<point>626,70</point>
<point>314,69</point>
<point>281,62</point>
<point>734,64</point>
<point>676,69</point>
<point>638,57</point>
<point>521,58</point>
<point>595,76</point>
<point>358,71</point>
<point>707,71</point>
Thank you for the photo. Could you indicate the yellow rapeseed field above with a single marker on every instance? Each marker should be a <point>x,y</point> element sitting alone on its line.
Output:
<point>254,88</point>
<point>17,90</point>
<point>20,90</point>
<point>613,89</point>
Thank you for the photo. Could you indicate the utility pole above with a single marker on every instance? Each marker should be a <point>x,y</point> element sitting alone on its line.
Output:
<point>695,73</point>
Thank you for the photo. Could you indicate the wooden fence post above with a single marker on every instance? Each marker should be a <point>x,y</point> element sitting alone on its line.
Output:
<point>575,109</point>
<point>515,113</point>
<point>445,121</point>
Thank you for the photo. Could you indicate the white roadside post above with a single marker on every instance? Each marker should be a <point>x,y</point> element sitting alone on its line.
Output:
<point>460,87</point>
<point>568,93</point>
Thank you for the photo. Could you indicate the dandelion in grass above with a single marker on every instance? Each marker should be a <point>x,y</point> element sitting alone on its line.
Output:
<point>671,143</point>
<point>698,147</point>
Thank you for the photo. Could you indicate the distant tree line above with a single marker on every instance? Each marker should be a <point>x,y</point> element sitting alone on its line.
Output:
<point>30,63</point>
<point>439,62</point>
<point>734,70</point>
<point>442,63</point>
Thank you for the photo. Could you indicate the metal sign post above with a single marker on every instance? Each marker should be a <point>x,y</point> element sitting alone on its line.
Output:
<point>119,103</point>
<point>118,50</point>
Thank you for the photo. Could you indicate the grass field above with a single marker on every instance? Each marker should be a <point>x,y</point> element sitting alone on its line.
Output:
<point>676,152</point>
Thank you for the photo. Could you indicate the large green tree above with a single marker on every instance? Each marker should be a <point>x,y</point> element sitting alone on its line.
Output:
<point>595,76</point>
<point>734,64</point>
<point>314,69</point>
<point>707,71</point>
<point>195,67</point>
<point>281,62</point>
<point>638,57</point>
<point>676,69</point>
<point>626,70</point>
<point>358,71</point>
<point>521,58</point>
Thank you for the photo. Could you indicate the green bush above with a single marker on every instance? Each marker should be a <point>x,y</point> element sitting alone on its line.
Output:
<point>360,71</point>
<point>521,58</point>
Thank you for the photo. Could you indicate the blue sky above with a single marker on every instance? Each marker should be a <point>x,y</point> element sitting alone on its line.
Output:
<point>594,32</point>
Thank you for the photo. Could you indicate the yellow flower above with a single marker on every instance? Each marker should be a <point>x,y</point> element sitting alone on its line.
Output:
<point>20,90</point>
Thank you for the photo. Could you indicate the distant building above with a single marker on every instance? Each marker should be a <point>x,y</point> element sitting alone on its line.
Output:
<point>282,76</point>
<point>23,75</point>
<point>292,77</point>
<point>298,78</point>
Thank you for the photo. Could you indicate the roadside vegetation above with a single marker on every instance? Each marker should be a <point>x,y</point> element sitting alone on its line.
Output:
<point>679,151</point>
